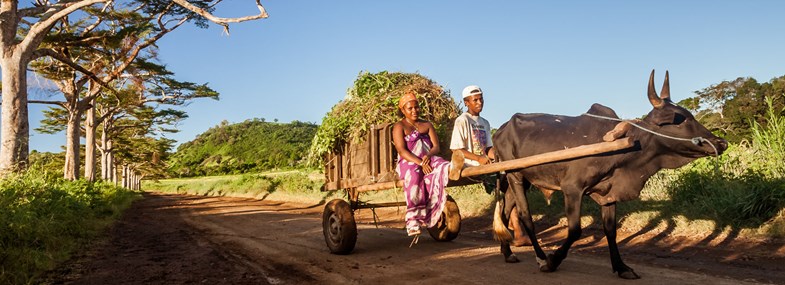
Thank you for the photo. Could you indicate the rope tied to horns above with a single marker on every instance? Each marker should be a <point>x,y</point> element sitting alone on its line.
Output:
<point>695,140</point>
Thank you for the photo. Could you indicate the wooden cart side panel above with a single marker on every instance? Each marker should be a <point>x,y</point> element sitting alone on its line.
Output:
<point>358,157</point>
<point>374,151</point>
<point>388,157</point>
<point>364,163</point>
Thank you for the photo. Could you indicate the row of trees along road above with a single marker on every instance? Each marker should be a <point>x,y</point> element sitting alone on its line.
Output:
<point>101,56</point>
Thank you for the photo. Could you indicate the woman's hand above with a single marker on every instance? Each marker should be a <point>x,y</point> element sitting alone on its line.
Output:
<point>426,164</point>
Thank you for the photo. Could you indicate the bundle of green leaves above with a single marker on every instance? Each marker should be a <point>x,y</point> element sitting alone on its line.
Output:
<point>373,100</point>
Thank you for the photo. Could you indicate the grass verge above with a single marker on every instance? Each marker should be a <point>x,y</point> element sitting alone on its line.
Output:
<point>44,219</point>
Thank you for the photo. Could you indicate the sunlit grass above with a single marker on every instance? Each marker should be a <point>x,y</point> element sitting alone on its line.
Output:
<point>44,219</point>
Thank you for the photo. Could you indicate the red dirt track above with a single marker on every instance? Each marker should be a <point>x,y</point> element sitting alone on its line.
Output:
<point>178,239</point>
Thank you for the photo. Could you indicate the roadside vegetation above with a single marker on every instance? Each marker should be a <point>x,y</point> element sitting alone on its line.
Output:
<point>44,219</point>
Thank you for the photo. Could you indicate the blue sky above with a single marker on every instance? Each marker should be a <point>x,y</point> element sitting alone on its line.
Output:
<point>554,57</point>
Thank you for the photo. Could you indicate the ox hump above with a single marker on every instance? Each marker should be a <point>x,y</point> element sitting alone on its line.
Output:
<point>599,109</point>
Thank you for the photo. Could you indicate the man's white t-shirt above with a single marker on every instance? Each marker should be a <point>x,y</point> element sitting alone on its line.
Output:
<point>472,133</point>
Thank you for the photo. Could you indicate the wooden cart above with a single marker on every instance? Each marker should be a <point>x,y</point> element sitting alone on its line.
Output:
<point>370,166</point>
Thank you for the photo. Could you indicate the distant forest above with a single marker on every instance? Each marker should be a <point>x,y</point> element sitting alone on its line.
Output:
<point>251,146</point>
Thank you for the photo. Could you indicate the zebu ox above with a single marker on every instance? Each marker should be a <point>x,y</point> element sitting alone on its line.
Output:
<point>674,138</point>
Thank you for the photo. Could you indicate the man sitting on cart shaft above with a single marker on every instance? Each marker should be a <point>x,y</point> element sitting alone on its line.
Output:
<point>425,175</point>
<point>472,134</point>
<point>471,139</point>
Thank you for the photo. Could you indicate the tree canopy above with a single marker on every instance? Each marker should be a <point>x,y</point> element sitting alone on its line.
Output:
<point>730,108</point>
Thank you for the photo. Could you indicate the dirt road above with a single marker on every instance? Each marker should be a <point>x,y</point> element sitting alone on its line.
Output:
<point>174,239</point>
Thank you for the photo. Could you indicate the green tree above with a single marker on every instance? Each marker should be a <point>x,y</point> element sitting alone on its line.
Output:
<point>730,108</point>
<point>23,30</point>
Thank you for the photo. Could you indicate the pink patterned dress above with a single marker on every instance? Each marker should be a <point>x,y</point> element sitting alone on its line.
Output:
<point>425,195</point>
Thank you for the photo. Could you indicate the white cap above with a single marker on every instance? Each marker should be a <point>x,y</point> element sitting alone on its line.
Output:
<point>471,90</point>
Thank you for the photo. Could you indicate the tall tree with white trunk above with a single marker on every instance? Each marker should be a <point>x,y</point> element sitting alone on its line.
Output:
<point>23,30</point>
<point>19,42</point>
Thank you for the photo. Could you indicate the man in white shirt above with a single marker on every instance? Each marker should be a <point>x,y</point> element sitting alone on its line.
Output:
<point>472,133</point>
<point>472,137</point>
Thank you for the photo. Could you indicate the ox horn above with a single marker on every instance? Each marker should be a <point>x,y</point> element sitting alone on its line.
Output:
<point>666,88</point>
<point>653,98</point>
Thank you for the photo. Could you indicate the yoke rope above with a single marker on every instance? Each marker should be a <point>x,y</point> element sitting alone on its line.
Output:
<point>695,140</point>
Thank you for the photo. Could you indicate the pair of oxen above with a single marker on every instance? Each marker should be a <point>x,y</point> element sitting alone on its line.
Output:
<point>668,137</point>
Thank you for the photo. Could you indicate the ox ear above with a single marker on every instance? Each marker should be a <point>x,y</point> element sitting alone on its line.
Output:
<point>666,88</point>
<point>653,98</point>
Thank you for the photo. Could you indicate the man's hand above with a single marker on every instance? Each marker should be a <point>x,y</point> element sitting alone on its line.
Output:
<point>484,160</point>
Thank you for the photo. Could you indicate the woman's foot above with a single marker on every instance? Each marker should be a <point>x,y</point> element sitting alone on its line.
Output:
<point>413,231</point>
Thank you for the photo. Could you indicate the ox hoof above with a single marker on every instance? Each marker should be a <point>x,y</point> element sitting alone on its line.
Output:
<point>511,259</point>
<point>551,264</point>
<point>545,268</point>
<point>629,275</point>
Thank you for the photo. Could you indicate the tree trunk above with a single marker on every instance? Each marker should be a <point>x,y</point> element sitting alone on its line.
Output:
<point>89,144</point>
<point>17,50</point>
<point>136,181</point>
<point>125,176</point>
<point>111,168</point>
<point>104,155</point>
<point>72,134</point>
<point>15,131</point>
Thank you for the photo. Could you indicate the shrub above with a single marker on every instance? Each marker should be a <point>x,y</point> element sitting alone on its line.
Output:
<point>43,219</point>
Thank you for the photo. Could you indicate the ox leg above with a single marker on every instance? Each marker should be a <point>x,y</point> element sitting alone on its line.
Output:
<point>518,187</point>
<point>609,225</point>
<point>509,202</point>
<point>572,207</point>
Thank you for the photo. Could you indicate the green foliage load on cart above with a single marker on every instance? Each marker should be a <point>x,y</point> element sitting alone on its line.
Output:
<point>373,100</point>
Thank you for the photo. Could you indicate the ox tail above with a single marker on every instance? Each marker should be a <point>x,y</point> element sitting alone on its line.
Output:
<point>500,231</point>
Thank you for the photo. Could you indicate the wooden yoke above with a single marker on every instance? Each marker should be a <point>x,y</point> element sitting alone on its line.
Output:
<point>553,156</point>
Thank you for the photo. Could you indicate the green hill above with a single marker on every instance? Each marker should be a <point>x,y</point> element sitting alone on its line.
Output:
<point>250,146</point>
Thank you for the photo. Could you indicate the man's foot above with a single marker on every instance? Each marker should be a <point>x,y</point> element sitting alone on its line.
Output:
<point>456,165</point>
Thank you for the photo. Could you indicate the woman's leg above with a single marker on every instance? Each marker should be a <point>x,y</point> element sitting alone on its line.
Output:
<point>435,182</point>
<point>414,191</point>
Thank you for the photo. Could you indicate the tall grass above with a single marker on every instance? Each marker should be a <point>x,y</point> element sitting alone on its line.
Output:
<point>769,141</point>
<point>44,219</point>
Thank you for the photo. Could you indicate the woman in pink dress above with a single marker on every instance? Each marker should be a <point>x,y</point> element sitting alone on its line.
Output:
<point>424,174</point>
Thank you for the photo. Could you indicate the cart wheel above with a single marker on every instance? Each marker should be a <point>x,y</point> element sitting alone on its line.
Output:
<point>450,224</point>
<point>340,230</point>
